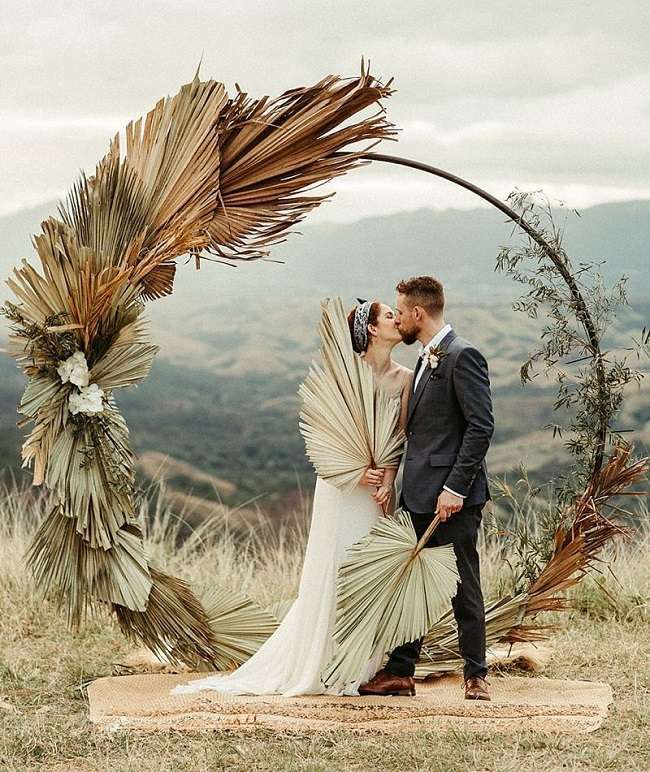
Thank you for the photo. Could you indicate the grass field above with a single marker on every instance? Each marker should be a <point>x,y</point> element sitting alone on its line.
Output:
<point>44,667</point>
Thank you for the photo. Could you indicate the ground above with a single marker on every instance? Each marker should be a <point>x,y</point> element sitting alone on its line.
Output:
<point>44,669</point>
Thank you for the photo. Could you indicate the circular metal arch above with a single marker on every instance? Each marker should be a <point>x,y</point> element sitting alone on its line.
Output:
<point>582,312</point>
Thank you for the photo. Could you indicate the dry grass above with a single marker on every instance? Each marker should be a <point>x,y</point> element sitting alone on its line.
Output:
<point>43,667</point>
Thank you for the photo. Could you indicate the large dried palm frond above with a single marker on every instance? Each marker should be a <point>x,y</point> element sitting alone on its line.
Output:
<point>174,625</point>
<point>240,625</point>
<point>75,575</point>
<point>347,423</point>
<point>273,151</point>
<point>390,589</point>
<point>76,282</point>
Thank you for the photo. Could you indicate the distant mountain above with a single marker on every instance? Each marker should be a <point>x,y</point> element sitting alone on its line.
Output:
<point>221,399</point>
<point>369,256</point>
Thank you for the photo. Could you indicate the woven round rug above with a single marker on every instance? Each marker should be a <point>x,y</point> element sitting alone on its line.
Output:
<point>542,704</point>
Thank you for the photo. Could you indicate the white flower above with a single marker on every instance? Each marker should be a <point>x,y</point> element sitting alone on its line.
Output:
<point>74,369</point>
<point>434,359</point>
<point>87,400</point>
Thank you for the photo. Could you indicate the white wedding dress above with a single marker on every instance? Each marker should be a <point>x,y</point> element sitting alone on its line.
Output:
<point>290,662</point>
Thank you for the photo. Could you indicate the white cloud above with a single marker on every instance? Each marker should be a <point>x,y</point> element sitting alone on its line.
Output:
<point>19,123</point>
<point>499,93</point>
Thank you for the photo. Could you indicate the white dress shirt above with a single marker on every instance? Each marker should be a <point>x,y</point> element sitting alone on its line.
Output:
<point>423,354</point>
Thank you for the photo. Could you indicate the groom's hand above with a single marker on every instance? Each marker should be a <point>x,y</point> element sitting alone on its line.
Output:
<point>448,504</point>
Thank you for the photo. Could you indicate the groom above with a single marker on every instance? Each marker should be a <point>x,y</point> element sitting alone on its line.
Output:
<point>449,427</point>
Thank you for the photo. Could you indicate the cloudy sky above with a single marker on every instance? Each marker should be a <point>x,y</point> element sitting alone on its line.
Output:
<point>507,94</point>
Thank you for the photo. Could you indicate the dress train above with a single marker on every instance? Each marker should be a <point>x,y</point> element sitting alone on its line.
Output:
<point>291,660</point>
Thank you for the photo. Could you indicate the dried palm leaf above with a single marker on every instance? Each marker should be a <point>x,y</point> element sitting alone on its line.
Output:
<point>74,282</point>
<point>240,626</point>
<point>128,358</point>
<point>91,470</point>
<point>174,625</point>
<point>280,608</point>
<point>347,423</point>
<point>273,151</point>
<point>390,589</point>
<point>74,574</point>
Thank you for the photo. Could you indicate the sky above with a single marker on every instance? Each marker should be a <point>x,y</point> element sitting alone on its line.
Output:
<point>510,95</point>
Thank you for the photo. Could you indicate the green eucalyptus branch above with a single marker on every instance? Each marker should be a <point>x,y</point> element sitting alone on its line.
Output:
<point>593,390</point>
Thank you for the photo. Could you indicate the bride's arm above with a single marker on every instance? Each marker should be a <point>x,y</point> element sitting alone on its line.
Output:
<point>405,394</point>
<point>384,491</point>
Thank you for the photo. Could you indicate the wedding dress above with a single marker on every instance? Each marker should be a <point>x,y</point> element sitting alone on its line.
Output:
<point>290,662</point>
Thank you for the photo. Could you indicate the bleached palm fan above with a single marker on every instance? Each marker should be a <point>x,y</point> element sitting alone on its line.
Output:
<point>390,590</point>
<point>348,424</point>
<point>202,173</point>
<point>240,625</point>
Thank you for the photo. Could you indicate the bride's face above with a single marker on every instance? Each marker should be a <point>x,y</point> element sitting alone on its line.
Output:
<point>385,330</point>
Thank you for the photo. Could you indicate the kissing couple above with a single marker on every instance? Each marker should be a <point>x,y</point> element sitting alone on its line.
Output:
<point>446,414</point>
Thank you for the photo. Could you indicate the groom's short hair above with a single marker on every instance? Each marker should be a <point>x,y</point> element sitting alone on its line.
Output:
<point>424,291</point>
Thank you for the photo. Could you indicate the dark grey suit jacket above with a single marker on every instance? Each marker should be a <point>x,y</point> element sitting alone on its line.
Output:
<point>449,426</point>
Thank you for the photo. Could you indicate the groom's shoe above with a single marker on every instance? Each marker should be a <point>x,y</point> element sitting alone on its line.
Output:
<point>385,683</point>
<point>476,689</point>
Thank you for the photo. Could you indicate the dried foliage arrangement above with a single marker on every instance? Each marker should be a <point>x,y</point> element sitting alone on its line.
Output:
<point>201,174</point>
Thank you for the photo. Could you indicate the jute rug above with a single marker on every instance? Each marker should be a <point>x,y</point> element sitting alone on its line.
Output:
<point>143,702</point>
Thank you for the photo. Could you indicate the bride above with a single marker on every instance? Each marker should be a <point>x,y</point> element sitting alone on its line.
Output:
<point>291,660</point>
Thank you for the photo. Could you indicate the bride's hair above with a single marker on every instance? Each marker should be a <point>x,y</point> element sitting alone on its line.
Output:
<point>373,316</point>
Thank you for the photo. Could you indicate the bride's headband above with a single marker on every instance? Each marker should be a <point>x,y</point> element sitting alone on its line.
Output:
<point>361,314</point>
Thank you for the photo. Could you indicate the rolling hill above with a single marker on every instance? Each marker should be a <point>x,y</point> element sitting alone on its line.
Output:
<point>221,399</point>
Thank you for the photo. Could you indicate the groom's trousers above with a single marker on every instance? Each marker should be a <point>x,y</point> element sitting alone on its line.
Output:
<point>460,530</point>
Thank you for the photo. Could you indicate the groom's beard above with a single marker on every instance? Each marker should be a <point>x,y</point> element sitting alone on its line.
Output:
<point>409,336</point>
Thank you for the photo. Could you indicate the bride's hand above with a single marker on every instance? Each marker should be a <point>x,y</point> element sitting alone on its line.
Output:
<point>373,477</point>
<point>382,495</point>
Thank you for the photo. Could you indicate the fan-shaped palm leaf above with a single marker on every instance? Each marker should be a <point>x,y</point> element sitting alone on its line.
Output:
<point>239,624</point>
<point>347,423</point>
<point>390,589</point>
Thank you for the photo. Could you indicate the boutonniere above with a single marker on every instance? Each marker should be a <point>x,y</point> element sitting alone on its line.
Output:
<point>435,357</point>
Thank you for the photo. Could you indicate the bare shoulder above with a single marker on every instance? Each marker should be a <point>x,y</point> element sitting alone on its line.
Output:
<point>404,374</point>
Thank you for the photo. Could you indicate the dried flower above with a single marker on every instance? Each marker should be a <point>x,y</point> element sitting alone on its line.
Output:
<point>434,357</point>
<point>74,369</point>
<point>87,400</point>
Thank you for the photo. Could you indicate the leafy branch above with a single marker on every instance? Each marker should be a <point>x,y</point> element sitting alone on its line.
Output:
<point>579,310</point>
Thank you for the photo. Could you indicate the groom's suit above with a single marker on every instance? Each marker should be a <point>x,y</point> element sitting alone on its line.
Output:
<point>449,426</point>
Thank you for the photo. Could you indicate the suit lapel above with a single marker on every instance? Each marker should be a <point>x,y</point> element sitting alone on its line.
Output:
<point>426,374</point>
<point>415,395</point>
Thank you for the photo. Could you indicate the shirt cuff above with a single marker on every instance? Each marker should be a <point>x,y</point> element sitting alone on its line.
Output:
<point>460,496</point>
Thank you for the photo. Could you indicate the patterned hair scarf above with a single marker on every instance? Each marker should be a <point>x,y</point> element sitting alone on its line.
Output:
<point>361,314</point>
